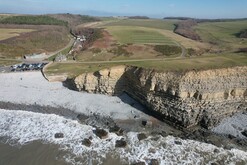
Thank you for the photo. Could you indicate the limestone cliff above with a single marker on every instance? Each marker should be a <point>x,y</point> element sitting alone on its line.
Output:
<point>184,98</point>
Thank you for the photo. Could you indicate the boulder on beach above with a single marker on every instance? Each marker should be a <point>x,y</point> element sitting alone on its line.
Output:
<point>117,130</point>
<point>86,142</point>
<point>154,162</point>
<point>141,136</point>
<point>139,163</point>
<point>244,133</point>
<point>59,135</point>
<point>121,143</point>
<point>101,133</point>
<point>146,123</point>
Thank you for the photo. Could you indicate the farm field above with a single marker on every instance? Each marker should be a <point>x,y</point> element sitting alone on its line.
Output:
<point>223,34</point>
<point>144,43</point>
<point>164,27</point>
<point>138,35</point>
<point>149,23</point>
<point>9,33</point>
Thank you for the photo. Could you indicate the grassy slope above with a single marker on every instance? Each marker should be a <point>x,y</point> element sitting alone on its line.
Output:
<point>164,27</point>
<point>207,61</point>
<point>223,34</point>
<point>8,62</point>
<point>138,35</point>
<point>43,39</point>
<point>150,23</point>
<point>168,64</point>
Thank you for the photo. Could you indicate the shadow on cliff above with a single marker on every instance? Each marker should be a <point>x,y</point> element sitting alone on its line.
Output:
<point>127,99</point>
<point>69,83</point>
<point>130,91</point>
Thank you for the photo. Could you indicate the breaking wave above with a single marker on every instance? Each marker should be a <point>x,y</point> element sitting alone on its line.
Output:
<point>23,127</point>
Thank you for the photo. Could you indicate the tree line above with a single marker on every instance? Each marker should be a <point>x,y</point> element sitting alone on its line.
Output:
<point>33,20</point>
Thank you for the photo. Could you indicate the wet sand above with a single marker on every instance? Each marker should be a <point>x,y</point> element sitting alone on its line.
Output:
<point>34,153</point>
<point>37,153</point>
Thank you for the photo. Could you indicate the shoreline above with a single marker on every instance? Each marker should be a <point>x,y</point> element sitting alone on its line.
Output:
<point>43,127</point>
<point>29,96</point>
<point>156,127</point>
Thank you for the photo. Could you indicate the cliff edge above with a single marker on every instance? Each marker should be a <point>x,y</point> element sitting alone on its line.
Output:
<point>184,98</point>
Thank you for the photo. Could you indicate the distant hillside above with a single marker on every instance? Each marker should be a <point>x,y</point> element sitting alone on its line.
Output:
<point>178,18</point>
<point>185,29</point>
<point>206,20</point>
<point>138,17</point>
<point>33,20</point>
<point>74,20</point>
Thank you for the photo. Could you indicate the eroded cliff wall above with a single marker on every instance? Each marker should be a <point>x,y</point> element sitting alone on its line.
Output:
<point>185,98</point>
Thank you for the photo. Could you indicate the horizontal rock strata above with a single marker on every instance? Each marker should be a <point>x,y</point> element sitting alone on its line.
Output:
<point>184,98</point>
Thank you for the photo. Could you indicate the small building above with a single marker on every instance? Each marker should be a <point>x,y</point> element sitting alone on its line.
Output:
<point>60,58</point>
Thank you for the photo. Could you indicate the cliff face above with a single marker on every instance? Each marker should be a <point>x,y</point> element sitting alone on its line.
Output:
<point>186,99</point>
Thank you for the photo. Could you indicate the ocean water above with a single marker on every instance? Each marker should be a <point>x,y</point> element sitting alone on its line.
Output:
<point>29,137</point>
<point>38,153</point>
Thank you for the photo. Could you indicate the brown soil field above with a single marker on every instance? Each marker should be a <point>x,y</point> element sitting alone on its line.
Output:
<point>105,42</point>
<point>43,39</point>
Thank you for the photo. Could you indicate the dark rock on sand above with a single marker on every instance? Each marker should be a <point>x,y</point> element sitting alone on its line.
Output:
<point>141,136</point>
<point>178,142</point>
<point>82,117</point>
<point>121,143</point>
<point>244,133</point>
<point>101,133</point>
<point>241,142</point>
<point>139,163</point>
<point>154,162</point>
<point>146,123</point>
<point>59,135</point>
<point>216,150</point>
<point>231,136</point>
<point>86,142</point>
<point>117,130</point>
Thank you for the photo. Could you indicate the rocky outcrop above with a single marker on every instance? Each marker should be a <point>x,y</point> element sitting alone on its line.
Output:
<point>183,98</point>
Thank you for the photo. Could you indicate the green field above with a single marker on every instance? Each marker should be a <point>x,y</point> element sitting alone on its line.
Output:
<point>75,69</point>
<point>216,36</point>
<point>197,63</point>
<point>223,34</point>
<point>138,35</point>
<point>150,23</point>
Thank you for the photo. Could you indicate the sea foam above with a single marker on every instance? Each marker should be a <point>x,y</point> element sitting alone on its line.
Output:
<point>24,127</point>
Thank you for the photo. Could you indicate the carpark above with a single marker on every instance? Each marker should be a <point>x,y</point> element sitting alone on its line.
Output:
<point>27,67</point>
